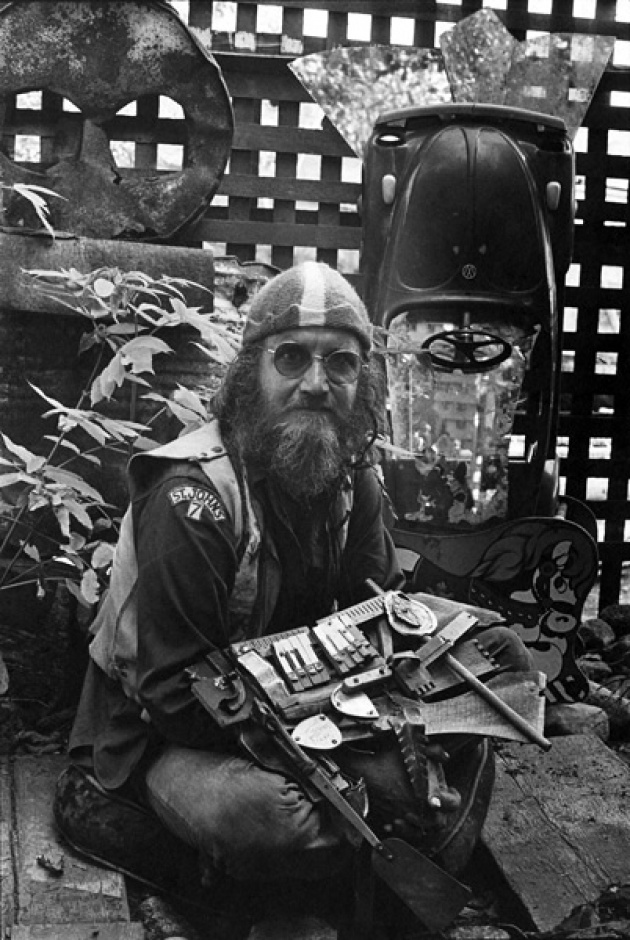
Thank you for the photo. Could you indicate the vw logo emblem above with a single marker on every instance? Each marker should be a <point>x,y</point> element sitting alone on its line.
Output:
<point>469,271</point>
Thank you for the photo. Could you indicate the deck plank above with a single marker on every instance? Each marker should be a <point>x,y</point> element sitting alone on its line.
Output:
<point>81,893</point>
<point>112,931</point>
<point>6,862</point>
<point>558,828</point>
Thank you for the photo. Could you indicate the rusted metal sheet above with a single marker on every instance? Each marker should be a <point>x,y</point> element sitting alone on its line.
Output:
<point>101,56</point>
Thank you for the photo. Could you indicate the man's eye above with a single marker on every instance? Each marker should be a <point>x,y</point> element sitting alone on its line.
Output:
<point>291,357</point>
<point>343,360</point>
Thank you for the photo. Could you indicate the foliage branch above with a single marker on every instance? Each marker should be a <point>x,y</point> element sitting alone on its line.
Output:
<point>54,524</point>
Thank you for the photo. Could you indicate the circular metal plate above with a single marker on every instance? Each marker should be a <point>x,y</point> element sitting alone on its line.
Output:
<point>409,617</point>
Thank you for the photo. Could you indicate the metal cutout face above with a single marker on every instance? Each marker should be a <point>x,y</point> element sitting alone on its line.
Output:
<point>101,56</point>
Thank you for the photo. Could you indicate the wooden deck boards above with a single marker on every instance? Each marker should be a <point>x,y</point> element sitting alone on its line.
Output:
<point>558,827</point>
<point>558,832</point>
<point>47,892</point>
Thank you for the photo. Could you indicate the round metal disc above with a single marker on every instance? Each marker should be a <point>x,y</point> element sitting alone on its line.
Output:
<point>410,617</point>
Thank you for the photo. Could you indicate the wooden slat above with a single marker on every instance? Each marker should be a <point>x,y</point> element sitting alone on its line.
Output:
<point>558,827</point>
<point>292,139</point>
<point>83,893</point>
<point>94,931</point>
<point>274,188</point>
<point>7,883</point>
<point>267,233</point>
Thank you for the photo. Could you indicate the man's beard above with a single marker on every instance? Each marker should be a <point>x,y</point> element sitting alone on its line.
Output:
<point>307,453</point>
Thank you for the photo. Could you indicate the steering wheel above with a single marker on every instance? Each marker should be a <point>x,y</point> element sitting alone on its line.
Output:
<point>467,350</point>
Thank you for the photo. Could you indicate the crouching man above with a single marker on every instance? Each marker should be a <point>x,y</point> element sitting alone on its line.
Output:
<point>266,519</point>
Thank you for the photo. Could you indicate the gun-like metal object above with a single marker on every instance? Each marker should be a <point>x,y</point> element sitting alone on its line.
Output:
<point>434,896</point>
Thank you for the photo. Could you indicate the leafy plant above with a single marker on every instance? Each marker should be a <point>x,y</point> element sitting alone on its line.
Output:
<point>55,525</point>
<point>34,195</point>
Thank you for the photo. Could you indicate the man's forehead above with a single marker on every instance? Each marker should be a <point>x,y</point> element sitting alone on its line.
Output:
<point>316,336</point>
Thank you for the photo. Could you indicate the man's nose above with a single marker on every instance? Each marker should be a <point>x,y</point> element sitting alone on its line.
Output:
<point>315,379</point>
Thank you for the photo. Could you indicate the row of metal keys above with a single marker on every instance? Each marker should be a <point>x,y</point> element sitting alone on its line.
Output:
<point>346,647</point>
<point>299,662</point>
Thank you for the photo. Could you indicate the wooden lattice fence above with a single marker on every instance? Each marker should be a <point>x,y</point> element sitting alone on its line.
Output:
<point>292,187</point>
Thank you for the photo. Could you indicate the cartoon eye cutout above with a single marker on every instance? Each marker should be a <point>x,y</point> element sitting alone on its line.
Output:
<point>100,57</point>
<point>558,622</point>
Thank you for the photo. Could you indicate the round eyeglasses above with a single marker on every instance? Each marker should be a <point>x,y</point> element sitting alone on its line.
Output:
<point>293,360</point>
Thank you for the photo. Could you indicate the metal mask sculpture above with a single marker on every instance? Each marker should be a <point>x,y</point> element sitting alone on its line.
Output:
<point>101,56</point>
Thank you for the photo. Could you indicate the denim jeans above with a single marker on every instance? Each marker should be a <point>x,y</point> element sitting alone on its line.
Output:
<point>247,823</point>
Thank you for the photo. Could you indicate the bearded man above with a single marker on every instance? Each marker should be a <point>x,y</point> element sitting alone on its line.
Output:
<point>267,519</point>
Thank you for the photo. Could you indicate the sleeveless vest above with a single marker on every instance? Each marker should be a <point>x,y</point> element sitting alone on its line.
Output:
<point>114,647</point>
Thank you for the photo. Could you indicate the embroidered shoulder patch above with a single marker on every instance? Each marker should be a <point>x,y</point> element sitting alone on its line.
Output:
<point>198,499</point>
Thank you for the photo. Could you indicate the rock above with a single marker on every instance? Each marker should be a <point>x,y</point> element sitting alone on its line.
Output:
<point>615,704</point>
<point>618,655</point>
<point>618,616</point>
<point>576,718</point>
<point>594,667</point>
<point>596,634</point>
<point>160,920</point>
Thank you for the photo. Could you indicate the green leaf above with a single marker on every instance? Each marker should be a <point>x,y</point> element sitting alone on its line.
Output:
<point>75,482</point>
<point>75,590</point>
<point>57,406</point>
<point>93,429</point>
<point>38,500</point>
<point>121,430</point>
<point>26,456</point>
<point>31,551</point>
<point>186,398</point>
<point>90,588</point>
<point>76,543</point>
<point>63,518</point>
<point>139,352</point>
<point>102,555</point>
<point>8,479</point>
<point>30,192</point>
<point>79,513</point>
<point>144,443</point>
<point>62,443</point>
<point>111,378</point>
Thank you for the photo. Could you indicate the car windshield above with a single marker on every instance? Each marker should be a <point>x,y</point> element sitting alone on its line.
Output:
<point>453,428</point>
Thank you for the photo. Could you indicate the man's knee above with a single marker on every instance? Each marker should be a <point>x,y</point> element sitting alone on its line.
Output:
<point>247,822</point>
